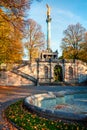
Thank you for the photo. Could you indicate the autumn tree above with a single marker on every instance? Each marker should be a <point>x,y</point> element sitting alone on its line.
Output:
<point>83,49</point>
<point>35,39</point>
<point>71,42</point>
<point>15,10</point>
<point>11,49</point>
<point>12,29</point>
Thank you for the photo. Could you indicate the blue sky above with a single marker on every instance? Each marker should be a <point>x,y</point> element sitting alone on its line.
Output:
<point>63,13</point>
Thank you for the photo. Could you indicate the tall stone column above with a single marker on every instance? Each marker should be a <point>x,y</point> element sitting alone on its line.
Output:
<point>48,20</point>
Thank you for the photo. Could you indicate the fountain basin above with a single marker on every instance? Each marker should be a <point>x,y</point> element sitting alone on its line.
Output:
<point>66,105</point>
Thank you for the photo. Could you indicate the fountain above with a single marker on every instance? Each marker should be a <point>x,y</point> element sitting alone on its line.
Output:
<point>66,105</point>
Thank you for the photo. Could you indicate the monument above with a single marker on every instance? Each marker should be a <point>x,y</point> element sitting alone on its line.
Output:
<point>48,54</point>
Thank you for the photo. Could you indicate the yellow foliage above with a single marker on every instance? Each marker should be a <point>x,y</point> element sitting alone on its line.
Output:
<point>10,42</point>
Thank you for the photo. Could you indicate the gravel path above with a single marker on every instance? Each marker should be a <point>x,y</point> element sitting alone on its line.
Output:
<point>9,95</point>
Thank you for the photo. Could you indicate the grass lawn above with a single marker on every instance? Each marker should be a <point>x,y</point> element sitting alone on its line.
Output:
<point>28,121</point>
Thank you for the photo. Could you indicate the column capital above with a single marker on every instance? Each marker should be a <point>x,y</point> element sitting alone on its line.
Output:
<point>48,19</point>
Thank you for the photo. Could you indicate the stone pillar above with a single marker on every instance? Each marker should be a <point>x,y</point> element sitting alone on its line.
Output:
<point>63,70</point>
<point>37,72</point>
<point>50,70</point>
<point>48,20</point>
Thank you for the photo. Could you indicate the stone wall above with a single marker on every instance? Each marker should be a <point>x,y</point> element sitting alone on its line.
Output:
<point>79,70</point>
<point>11,79</point>
<point>72,72</point>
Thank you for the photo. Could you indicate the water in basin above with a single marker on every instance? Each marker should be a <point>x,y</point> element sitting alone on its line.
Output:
<point>76,103</point>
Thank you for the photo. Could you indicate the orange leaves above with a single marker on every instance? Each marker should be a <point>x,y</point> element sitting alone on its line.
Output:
<point>11,29</point>
<point>10,43</point>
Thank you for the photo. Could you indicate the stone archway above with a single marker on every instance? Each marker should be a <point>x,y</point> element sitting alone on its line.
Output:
<point>70,73</point>
<point>58,75</point>
<point>46,72</point>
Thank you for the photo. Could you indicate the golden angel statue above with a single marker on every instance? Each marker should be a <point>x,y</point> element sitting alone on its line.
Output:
<point>48,9</point>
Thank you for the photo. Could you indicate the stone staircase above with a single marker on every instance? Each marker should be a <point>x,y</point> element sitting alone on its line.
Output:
<point>26,76</point>
<point>23,63</point>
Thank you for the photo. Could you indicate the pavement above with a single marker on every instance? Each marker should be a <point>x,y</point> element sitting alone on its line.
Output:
<point>10,94</point>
